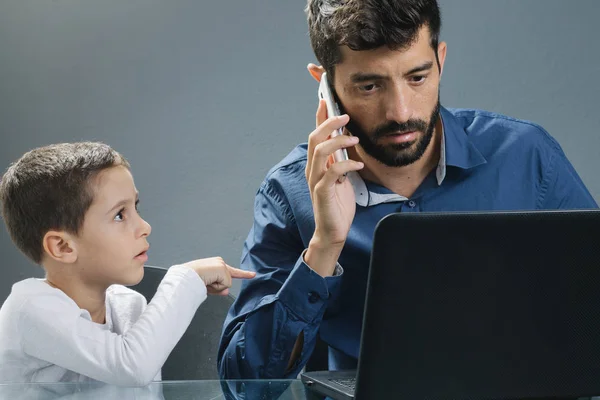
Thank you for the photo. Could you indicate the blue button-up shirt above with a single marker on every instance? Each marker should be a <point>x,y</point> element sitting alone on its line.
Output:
<point>488,162</point>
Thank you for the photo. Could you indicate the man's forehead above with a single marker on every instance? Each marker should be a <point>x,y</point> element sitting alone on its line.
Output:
<point>416,52</point>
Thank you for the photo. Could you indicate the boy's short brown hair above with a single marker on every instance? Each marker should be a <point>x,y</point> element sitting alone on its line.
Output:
<point>50,188</point>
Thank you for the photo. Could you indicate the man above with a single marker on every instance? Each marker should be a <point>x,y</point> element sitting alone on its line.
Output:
<point>312,234</point>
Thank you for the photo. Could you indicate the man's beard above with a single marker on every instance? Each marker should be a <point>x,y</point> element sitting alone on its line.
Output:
<point>397,154</point>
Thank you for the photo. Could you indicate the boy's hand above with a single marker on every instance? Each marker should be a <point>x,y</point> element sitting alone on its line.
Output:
<point>216,274</point>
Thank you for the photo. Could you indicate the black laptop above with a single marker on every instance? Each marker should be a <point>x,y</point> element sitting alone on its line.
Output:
<point>478,306</point>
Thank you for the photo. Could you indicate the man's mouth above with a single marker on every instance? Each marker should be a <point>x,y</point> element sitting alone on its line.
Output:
<point>400,137</point>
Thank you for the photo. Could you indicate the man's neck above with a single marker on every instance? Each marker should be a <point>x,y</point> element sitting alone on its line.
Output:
<point>87,297</point>
<point>402,180</point>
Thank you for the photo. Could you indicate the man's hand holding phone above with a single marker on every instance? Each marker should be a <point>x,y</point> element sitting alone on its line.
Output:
<point>333,198</point>
<point>333,110</point>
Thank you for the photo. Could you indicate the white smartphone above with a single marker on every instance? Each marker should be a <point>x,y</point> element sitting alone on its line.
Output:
<point>332,111</point>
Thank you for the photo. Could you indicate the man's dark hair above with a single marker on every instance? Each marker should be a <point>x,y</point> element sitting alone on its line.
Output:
<point>367,25</point>
<point>50,188</point>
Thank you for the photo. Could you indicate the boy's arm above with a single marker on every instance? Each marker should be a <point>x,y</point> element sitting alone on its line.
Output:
<point>53,330</point>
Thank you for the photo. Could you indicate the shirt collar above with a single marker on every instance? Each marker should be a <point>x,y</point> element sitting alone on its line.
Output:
<point>460,151</point>
<point>456,150</point>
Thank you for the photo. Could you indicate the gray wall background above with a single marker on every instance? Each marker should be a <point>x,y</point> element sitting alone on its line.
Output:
<point>204,97</point>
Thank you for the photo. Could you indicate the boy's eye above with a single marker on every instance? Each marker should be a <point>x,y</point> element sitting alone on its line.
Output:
<point>119,216</point>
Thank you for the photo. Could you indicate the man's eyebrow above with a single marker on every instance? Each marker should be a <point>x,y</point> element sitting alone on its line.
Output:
<point>423,67</point>
<point>360,77</point>
<point>365,77</point>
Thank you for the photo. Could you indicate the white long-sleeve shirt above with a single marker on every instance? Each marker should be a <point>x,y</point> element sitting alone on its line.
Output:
<point>46,337</point>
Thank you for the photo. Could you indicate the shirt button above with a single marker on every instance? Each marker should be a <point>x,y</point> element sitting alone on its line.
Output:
<point>313,297</point>
<point>411,204</point>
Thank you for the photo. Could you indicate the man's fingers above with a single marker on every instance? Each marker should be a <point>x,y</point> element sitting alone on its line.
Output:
<point>320,118</point>
<point>337,170</point>
<point>321,113</point>
<point>323,131</point>
<point>322,155</point>
<point>320,135</point>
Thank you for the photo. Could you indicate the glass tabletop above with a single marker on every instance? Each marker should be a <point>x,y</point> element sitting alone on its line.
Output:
<point>167,390</point>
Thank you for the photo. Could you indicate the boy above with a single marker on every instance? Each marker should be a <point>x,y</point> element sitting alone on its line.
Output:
<point>72,208</point>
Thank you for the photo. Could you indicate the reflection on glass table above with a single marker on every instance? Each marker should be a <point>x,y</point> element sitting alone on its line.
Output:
<point>168,390</point>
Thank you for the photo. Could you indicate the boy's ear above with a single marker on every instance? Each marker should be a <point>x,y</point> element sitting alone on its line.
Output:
<point>60,246</point>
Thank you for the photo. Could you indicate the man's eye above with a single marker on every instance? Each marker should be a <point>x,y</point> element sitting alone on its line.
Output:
<point>368,88</point>
<point>418,79</point>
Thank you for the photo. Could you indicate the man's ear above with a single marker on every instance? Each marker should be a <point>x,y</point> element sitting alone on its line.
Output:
<point>442,48</point>
<point>315,71</point>
<point>60,246</point>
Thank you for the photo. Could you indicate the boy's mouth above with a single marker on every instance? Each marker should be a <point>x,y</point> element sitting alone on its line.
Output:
<point>142,256</point>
